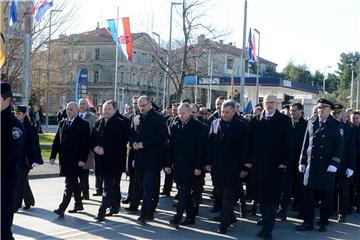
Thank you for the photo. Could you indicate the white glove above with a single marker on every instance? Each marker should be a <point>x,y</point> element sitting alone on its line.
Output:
<point>302,168</point>
<point>35,165</point>
<point>331,169</point>
<point>349,172</point>
<point>133,163</point>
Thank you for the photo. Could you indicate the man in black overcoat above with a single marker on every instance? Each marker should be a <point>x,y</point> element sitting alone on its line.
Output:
<point>226,156</point>
<point>71,142</point>
<point>270,146</point>
<point>187,148</point>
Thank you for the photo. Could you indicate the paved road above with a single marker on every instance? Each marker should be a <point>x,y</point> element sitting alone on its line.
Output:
<point>40,223</point>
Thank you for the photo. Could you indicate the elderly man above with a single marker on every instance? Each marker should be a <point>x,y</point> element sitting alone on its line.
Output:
<point>91,119</point>
<point>320,157</point>
<point>71,142</point>
<point>270,146</point>
<point>187,144</point>
<point>148,137</point>
<point>226,156</point>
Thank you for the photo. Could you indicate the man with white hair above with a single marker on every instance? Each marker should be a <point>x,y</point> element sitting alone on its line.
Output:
<point>270,148</point>
<point>71,142</point>
<point>89,117</point>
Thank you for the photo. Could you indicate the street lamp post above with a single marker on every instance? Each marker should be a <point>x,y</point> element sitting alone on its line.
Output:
<point>168,54</point>
<point>352,86</point>
<point>48,74</point>
<point>164,90</point>
<point>257,67</point>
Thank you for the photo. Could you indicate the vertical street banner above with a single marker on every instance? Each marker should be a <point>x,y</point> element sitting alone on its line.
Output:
<point>81,83</point>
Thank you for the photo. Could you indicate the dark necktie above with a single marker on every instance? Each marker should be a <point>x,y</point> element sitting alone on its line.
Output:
<point>321,124</point>
<point>267,118</point>
<point>68,123</point>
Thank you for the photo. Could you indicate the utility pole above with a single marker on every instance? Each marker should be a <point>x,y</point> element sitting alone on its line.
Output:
<point>257,67</point>
<point>27,52</point>
<point>242,82</point>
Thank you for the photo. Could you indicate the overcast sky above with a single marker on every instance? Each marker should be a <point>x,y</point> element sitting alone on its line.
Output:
<point>311,32</point>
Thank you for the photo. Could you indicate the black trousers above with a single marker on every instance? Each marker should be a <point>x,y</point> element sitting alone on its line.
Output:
<point>155,200</point>
<point>8,200</point>
<point>137,190</point>
<point>341,196</point>
<point>24,191</point>
<point>185,203</point>
<point>131,184</point>
<point>197,188</point>
<point>107,196</point>
<point>72,186</point>
<point>268,214</point>
<point>116,195</point>
<point>227,210</point>
<point>168,183</point>
<point>149,192</point>
<point>84,182</point>
<point>98,184</point>
<point>308,205</point>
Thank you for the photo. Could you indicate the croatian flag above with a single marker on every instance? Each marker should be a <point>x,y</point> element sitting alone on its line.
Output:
<point>251,52</point>
<point>91,104</point>
<point>122,36</point>
<point>41,8</point>
<point>12,12</point>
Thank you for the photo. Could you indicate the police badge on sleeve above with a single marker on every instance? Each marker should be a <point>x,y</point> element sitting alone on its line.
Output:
<point>16,133</point>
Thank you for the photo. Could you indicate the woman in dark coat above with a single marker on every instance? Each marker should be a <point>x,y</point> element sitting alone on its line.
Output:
<point>30,158</point>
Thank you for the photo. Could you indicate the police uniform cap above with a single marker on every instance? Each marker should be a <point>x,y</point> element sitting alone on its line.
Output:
<point>21,108</point>
<point>322,102</point>
<point>5,87</point>
<point>338,107</point>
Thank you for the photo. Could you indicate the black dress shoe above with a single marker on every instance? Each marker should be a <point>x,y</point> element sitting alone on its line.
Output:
<point>281,215</point>
<point>222,230</point>
<point>97,194</point>
<point>111,213</point>
<point>304,227</point>
<point>341,218</point>
<point>59,212</point>
<point>322,228</point>
<point>26,207</point>
<point>76,209</point>
<point>319,222</point>
<point>174,223</point>
<point>187,221</point>
<point>131,209</point>
<point>141,220</point>
<point>126,201</point>
<point>260,223</point>
<point>99,218</point>
<point>150,217</point>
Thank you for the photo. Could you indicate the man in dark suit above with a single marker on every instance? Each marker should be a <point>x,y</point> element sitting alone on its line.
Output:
<point>347,165</point>
<point>148,137</point>
<point>108,142</point>
<point>355,181</point>
<point>320,157</point>
<point>71,142</point>
<point>187,149</point>
<point>270,146</point>
<point>226,156</point>
<point>292,179</point>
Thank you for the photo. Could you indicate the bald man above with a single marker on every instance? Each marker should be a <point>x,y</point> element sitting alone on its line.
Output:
<point>71,142</point>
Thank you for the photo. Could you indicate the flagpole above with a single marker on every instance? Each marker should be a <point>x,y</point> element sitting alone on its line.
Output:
<point>257,67</point>
<point>242,82</point>
<point>116,53</point>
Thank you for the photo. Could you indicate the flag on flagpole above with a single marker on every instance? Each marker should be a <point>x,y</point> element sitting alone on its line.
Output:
<point>122,36</point>
<point>251,52</point>
<point>248,108</point>
<point>2,35</point>
<point>41,8</point>
<point>12,12</point>
<point>89,101</point>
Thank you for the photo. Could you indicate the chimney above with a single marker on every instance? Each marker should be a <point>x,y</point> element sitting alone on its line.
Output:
<point>221,41</point>
<point>201,38</point>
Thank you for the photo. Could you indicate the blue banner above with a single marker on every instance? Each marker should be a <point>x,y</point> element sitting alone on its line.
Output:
<point>81,84</point>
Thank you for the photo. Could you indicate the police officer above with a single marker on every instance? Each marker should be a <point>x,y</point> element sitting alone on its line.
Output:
<point>30,158</point>
<point>320,157</point>
<point>187,138</point>
<point>347,165</point>
<point>12,141</point>
<point>355,181</point>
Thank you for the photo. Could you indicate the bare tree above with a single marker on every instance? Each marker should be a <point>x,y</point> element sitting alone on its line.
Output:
<point>182,60</point>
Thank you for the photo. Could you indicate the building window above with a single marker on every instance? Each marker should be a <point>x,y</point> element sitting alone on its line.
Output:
<point>97,53</point>
<point>134,57</point>
<point>122,77</point>
<point>96,76</point>
<point>133,79</point>
<point>95,99</point>
<point>229,63</point>
<point>144,59</point>
<point>81,55</point>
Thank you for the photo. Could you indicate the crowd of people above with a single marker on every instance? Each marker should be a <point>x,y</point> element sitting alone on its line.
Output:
<point>270,159</point>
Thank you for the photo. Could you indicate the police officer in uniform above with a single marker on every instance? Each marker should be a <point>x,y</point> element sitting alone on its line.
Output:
<point>12,141</point>
<point>320,158</point>
<point>347,165</point>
